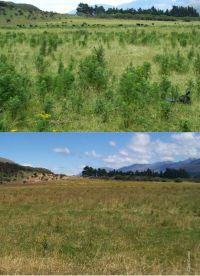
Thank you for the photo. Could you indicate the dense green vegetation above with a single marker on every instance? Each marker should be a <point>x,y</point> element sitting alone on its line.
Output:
<point>88,74</point>
<point>148,174</point>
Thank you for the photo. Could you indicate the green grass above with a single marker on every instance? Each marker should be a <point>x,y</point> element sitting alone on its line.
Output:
<point>82,226</point>
<point>52,94</point>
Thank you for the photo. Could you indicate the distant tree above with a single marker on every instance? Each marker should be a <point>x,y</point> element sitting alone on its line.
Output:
<point>84,9</point>
<point>176,11</point>
<point>148,174</point>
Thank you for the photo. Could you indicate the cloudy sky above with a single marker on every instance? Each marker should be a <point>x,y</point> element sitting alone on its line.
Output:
<point>69,152</point>
<point>64,6</point>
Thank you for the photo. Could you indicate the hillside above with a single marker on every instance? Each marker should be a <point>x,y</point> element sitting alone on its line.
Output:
<point>13,13</point>
<point>4,160</point>
<point>10,171</point>
<point>11,5</point>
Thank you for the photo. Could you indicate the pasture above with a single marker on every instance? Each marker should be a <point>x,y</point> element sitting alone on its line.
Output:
<point>80,74</point>
<point>85,226</point>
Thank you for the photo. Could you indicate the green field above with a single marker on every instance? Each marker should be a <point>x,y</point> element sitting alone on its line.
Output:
<point>65,73</point>
<point>82,226</point>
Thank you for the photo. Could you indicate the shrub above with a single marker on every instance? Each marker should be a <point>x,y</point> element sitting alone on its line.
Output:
<point>197,65</point>
<point>134,83</point>
<point>13,88</point>
<point>185,126</point>
<point>64,80</point>
<point>167,89</point>
<point>165,110</point>
<point>93,72</point>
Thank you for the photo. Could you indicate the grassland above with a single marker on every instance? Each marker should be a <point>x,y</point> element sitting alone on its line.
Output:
<point>84,74</point>
<point>82,226</point>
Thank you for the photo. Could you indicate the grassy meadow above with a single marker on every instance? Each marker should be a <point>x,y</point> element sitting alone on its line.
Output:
<point>68,73</point>
<point>85,226</point>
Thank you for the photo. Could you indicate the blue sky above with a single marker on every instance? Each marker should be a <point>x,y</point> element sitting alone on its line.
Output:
<point>69,152</point>
<point>64,6</point>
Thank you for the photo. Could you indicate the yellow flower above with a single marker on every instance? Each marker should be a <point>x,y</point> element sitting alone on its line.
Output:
<point>43,116</point>
<point>13,130</point>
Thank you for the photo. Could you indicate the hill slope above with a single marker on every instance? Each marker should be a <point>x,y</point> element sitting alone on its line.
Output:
<point>10,171</point>
<point>4,160</point>
<point>11,5</point>
<point>12,13</point>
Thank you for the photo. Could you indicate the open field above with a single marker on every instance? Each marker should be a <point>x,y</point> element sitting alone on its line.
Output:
<point>80,74</point>
<point>82,226</point>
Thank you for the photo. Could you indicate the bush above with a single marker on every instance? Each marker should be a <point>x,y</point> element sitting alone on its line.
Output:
<point>93,72</point>
<point>134,84</point>
<point>171,63</point>
<point>167,89</point>
<point>197,65</point>
<point>13,88</point>
<point>178,180</point>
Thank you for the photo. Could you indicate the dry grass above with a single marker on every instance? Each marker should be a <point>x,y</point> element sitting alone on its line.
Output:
<point>82,226</point>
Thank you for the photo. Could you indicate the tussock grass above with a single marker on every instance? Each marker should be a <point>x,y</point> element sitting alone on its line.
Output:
<point>83,226</point>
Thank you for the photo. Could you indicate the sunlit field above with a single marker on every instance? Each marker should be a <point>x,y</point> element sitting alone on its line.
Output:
<point>78,74</point>
<point>82,226</point>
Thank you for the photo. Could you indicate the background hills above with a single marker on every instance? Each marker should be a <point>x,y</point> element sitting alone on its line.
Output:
<point>191,166</point>
<point>13,5</point>
<point>11,171</point>
<point>159,4</point>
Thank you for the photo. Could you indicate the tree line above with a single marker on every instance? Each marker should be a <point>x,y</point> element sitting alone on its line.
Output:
<point>175,11</point>
<point>130,175</point>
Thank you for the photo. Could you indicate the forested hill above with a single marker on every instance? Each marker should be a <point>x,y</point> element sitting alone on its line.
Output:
<point>10,170</point>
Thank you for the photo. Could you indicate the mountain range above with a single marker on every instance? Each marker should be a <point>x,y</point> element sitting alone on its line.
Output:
<point>145,4</point>
<point>192,166</point>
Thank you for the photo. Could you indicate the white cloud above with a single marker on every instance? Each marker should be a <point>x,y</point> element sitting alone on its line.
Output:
<point>141,149</point>
<point>64,6</point>
<point>123,153</point>
<point>139,142</point>
<point>112,144</point>
<point>64,151</point>
<point>186,137</point>
<point>92,154</point>
<point>27,165</point>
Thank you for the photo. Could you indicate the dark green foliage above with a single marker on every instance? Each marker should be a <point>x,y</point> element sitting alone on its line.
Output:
<point>13,88</point>
<point>197,65</point>
<point>166,110</point>
<point>134,83</point>
<point>185,126</point>
<point>93,72</point>
<point>166,89</point>
<point>64,80</point>
<point>171,63</point>
<point>130,175</point>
